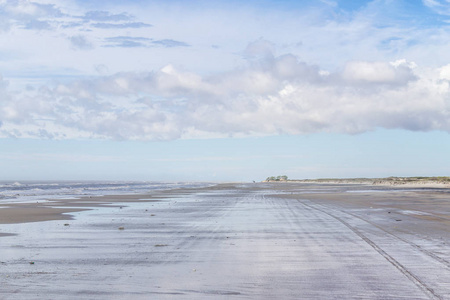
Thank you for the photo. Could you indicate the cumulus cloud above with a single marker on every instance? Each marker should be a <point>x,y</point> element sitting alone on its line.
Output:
<point>395,73</point>
<point>275,95</point>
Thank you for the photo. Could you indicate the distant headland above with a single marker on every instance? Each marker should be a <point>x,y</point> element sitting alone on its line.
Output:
<point>438,181</point>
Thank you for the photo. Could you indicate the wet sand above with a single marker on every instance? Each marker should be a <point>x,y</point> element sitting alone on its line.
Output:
<point>232,241</point>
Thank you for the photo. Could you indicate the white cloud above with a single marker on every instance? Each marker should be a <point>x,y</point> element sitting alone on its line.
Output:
<point>445,72</point>
<point>276,95</point>
<point>341,74</point>
<point>397,73</point>
<point>30,9</point>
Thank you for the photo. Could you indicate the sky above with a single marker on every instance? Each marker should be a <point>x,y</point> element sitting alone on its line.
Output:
<point>221,90</point>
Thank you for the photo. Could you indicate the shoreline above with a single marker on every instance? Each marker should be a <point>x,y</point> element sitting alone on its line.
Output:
<point>54,209</point>
<point>61,209</point>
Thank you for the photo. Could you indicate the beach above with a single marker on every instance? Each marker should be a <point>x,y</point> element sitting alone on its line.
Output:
<point>231,241</point>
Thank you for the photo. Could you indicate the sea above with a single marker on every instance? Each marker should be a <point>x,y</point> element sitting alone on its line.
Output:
<point>31,191</point>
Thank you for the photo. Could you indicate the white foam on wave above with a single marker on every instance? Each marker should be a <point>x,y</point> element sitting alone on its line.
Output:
<point>35,191</point>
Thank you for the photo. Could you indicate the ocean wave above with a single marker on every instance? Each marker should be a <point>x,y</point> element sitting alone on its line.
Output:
<point>33,190</point>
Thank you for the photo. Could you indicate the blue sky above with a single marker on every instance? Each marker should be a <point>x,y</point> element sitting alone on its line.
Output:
<point>223,90</point>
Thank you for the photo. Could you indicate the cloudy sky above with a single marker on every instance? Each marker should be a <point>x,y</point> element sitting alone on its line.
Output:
<point>224,90</point>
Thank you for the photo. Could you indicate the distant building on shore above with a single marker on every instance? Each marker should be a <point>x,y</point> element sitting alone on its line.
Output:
<point>276,178</point>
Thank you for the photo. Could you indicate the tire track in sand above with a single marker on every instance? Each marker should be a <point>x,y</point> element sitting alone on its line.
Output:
<point>419,283</point>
